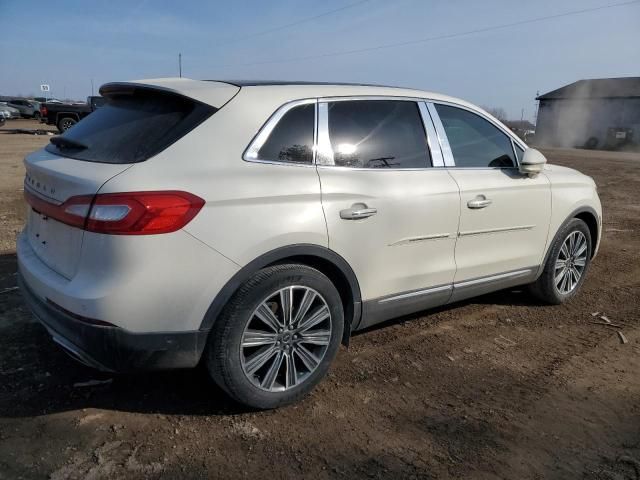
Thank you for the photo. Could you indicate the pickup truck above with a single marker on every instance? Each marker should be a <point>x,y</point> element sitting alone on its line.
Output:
<point>66,115</point>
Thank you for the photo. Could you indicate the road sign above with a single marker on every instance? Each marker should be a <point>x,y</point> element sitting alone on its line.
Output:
<point>44,88</point>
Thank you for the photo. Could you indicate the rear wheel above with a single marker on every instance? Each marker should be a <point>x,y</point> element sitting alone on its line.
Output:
<point>36,115</point>
<point>566,265</point>
<point>276,338</point>
<point>66,123</point>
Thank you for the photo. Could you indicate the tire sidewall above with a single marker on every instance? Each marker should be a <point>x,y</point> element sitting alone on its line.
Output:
<point>62,122</point>
<point>226,347</point>
<point>574,225</point>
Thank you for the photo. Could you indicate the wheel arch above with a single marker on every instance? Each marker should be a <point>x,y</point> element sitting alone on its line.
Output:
<point>321,258</point>
<point>589,216</point>
<point>61,115</point>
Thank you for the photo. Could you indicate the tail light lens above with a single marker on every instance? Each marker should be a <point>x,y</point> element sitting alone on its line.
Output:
<point>131,213</point>
<point>43,111</point>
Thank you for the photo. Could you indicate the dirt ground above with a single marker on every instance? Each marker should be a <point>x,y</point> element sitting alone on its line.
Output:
<point>496,387</point>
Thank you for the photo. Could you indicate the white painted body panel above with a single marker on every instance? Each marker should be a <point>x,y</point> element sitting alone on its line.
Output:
<point>571,191</point>
<point>155,283</point>
<point>409,243</point>
<point>166,283</point>
<point>511,232</point>
<point>55,179</point>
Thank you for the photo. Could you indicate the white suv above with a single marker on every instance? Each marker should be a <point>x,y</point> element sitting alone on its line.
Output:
<point>255,225</point>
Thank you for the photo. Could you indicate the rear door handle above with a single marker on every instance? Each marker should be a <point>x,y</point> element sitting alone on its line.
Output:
<point>357,211</point>
<point>479,202</point>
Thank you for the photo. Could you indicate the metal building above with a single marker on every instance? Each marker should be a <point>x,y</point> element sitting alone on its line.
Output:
<point>601,113</point>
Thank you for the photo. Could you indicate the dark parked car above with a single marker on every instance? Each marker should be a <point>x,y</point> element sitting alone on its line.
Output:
<point>66,115</point>
<point>27,108</point>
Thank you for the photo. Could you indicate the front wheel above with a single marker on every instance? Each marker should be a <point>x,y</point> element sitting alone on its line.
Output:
<point>566,265</point>
<point>276,338</point>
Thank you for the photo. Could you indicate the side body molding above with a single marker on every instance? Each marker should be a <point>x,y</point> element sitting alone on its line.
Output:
<point>313,255</point>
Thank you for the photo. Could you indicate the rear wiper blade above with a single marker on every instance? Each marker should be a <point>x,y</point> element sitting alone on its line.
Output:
<point>62,142</point>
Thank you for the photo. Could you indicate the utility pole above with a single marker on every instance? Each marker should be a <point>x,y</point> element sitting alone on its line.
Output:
<point>180,64</point>
<point>92,87</point>
<point>522,116</point>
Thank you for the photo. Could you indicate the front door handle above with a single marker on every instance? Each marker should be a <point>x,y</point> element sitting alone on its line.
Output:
<point>357,211</point>
<point>479,202</point>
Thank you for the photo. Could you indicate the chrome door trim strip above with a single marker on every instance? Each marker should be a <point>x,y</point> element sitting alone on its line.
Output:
<point>442,135</point>
<point>495,230</point>
<point>417,293</point>
<point>409,240</point>
<point>437,160</point>
<point>493,278</point>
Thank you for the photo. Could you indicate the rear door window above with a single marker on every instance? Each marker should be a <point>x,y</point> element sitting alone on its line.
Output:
<point>133,125</point>
<point>291,140</point>
<point>377,134</point>
<point>474,141</point>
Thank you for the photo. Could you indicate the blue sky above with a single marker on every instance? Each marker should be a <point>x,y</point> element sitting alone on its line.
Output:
<point>69,44</point>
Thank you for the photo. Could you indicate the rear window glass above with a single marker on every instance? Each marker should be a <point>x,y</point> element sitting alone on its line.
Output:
<point>292,138</point>
<point>132,126</point>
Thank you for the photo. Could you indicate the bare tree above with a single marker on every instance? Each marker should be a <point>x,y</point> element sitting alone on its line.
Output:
<point>497,112</point>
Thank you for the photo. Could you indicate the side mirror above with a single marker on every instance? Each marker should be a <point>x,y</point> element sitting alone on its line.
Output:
<point>532,162</point>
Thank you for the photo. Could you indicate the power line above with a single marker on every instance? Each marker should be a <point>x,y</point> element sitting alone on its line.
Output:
<point>292,24</point>
<point>431,39</point>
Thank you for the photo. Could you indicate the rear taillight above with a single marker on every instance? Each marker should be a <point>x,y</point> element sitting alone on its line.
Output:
<point>131,213</point>
<point>43,111</point>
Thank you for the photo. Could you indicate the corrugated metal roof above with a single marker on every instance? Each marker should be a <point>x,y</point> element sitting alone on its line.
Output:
<point>625,87</point>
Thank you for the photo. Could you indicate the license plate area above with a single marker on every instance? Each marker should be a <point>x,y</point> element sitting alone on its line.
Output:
<point>56,244</point>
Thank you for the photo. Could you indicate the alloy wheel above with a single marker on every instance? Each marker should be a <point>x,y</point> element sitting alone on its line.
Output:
<point>571,262</point>
<point>285,338</point>
<point>67,124</point>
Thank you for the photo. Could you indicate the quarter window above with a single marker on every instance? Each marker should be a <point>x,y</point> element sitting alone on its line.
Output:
<point>291,140</point>
<point>377,134</point>
<point>474,141</point>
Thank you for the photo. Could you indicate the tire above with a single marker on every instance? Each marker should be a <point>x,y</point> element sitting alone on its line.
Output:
<point>234,366</point>
<point>65,123</point>
<point>36,116</point>
<point>547,288</point>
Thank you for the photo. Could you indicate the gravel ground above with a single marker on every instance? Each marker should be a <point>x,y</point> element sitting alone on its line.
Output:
<point>496,387</point>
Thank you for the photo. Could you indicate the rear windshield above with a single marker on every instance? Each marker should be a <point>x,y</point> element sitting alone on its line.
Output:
<point>133,125</point>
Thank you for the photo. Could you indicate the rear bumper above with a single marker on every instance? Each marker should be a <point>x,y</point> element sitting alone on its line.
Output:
<point>114,349</point>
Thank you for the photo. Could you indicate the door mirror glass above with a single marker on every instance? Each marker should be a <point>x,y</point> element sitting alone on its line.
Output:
<point>532,162</point>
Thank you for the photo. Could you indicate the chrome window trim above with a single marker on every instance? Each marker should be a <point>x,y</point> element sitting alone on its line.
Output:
<point>443,140</point>
<point>348,98</point>
<point>437,159</point>
<point>324,154</point>
<point>251,152</point>
<point>510,135</point>
<point>515,147</point>
<point>325,158</point>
